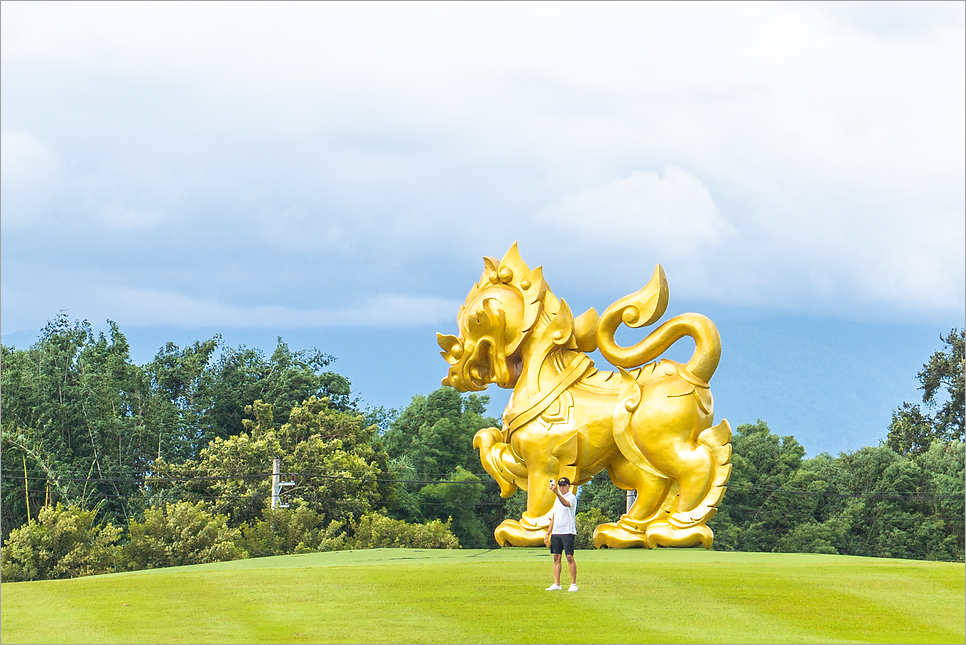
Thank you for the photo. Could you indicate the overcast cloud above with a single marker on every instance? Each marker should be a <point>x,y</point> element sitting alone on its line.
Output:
<point>211,164</point>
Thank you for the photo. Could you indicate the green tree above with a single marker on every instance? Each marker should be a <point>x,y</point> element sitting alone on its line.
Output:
<point>911,430</point>
<point>179,377</point>
<point>945,371</point>
<point>80,418</point>
<point>331,455</point>
<point>430,443</point>
<point>602,494</point>
<point>435,433</point>
<point>755,513</point>
<point>457,498</point>
<point>942,377</point>
<point>241,375</point>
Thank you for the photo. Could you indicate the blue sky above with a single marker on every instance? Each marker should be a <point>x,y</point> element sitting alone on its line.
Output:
<point>334,173</point>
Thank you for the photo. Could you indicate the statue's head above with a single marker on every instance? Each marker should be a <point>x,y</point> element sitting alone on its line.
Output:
<point>496,318</point>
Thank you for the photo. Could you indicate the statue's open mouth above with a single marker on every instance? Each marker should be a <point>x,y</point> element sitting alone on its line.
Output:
<point>484,364</point>
<point>472,372</point>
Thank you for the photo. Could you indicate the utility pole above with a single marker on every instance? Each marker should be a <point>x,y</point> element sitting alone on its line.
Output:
<point>26,490</point>
<point>276,476</point>
<point>631,498</point>
<point>277,484</point>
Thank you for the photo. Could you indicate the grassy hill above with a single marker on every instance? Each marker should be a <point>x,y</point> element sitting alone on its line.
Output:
<point>403,595</point>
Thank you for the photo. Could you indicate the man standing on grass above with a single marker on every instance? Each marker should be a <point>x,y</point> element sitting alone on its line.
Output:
<point>562,531</point>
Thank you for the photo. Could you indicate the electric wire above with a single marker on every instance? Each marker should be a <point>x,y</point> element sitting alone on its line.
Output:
<point>151,479</point>
<point>181,496</point>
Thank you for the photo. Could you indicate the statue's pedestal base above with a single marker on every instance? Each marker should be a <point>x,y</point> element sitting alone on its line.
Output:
<point>621,536</point>
<point>613,536</point>
<point>513,533</point>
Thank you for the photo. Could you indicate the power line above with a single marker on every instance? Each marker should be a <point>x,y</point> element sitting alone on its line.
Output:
<point>257,496</point>
<point>148,480</point>
<point>872,495</point>
<point>826,516</point>
<point>309,474</point>
<point>64,472</point>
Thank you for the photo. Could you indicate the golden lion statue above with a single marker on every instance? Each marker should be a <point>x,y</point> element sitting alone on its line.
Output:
<point>648,424</point>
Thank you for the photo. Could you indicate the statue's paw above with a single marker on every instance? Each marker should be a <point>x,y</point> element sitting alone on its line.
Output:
<point>513,533</point>
<point>617,535</point>
<point>487,437</point>
<point>488,442</point>
<point>663,534</point>
<point>506,488</point>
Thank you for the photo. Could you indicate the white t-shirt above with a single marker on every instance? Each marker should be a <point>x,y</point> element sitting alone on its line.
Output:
<point>565,518</point>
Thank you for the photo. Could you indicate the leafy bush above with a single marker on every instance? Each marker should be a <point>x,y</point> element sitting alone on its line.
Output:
<point>302,530</point>
<point>177,534</point>
<point>376,531</point>
<point>813,537</point>
<point>60,543</point>
<point>285,530</point>
<point>600,492</point>
<point>586,523</point>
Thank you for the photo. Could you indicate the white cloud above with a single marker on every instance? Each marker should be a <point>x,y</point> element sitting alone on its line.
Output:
<point>812,154</point>
<point>299,229</point>
<point>29,173</point>
<point>118,217</point>
<point>23,157</point>
<point>138,307</point>
<point>672,216</point>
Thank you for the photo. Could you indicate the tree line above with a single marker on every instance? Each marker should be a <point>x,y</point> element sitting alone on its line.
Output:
<point>108,465</point>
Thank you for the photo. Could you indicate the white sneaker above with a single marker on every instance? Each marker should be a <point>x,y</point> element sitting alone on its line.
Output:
<point>554,587</point>
<point>573,587</point>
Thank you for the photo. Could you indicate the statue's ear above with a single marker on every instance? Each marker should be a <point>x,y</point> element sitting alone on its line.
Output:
<point>534,287</point>
<point>585,331</point>
<point>452,348</point>
<point>513,261</point>
<point>491,268</point>
<point>561,328</point>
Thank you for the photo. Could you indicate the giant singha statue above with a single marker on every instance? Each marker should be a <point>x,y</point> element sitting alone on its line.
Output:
<point>649,423</point>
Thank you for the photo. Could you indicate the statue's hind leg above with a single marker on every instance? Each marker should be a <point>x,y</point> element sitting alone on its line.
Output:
<point>686,523</point>
<point>630,530</point>
<point>665,419</point>
<point>681,521</point>
<point>694,472</point>
<point>652,431</point>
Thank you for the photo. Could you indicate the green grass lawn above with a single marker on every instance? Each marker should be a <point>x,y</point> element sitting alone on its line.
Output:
<point>404,595</point>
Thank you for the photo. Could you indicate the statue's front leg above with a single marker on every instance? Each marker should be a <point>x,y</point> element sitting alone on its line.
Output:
<point>539,496</point>
<point>511,473</point>
<point>499,461</point>
<point>531,529</point>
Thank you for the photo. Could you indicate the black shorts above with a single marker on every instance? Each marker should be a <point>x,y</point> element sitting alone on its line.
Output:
<point>562,543</point>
